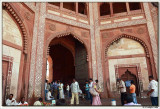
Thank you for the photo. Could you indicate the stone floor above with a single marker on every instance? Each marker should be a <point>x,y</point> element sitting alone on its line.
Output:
<point>107,102</point>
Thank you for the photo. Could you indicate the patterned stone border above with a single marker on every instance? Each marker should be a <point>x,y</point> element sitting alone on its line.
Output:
<point>39,62</point>
<point>33,53</point>
<point>152,34</point>
<point>20,23</point>
<point>93,52</point>
<point>130,37</point>
<point>98,46</point>
<point>31,6</point>
<point>67,21</point>
<point>123,24</point>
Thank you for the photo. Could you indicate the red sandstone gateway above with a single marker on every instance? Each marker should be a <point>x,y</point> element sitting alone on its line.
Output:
<point>62,41</point>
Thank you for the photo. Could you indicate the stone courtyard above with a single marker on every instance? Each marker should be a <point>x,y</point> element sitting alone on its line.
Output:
<point>107,102</point>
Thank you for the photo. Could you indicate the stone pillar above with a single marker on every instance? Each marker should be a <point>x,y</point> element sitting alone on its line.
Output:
<point>152,34</point>
<point>98,44</point>
<point>35,82</point>
<point>40,47</point>
<point>93,52</point>
<point>33,53</point>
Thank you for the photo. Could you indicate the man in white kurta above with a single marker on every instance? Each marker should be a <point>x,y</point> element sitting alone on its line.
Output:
<point>49,96</point>
<point>11,101</point>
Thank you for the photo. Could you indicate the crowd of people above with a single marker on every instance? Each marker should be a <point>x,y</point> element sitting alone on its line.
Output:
<point>131,95</point>
<point>55,91</point>
<point>12,102</point>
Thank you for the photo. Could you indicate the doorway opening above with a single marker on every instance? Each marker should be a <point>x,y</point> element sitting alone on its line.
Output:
<point>68,60</point>
<point>128,74</point>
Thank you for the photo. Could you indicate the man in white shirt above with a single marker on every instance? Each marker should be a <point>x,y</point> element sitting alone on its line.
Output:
<point>75,90</point>
<point>11,101</point>
<point>153,91</point>
<point>90,86</point>
<point>39,102</point>
<point>49,96</point>
<point>122,88</point>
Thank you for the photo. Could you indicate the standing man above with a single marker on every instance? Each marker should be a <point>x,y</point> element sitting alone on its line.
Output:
<point>75,90</point>
<point>132,91</point>
<point>122,88</point>
<point>55,89</point>
<point>153,91</point>
<point>90,86</point>
<point>46,90</point>
<point>87,90</point>
<point>67,90</point>
<point>58,84</point>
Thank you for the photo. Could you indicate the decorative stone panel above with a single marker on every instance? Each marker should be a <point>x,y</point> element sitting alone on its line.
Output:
<point>33,53</point>
<point>52,27</point>
<point>152,33</point>
<point>93,52</point>
<point>40,43</point>
<point>98,46</point>
<point>122,24</point>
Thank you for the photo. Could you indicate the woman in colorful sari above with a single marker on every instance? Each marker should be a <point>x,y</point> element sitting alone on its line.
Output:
<point>95,93</point>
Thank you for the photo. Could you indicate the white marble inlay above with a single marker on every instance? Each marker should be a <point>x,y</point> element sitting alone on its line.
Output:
<point>105,22</point>
<point>53,12</point>
<point>73,18</point>
<point>137,17</point>
<point>120,20</point>
<point>84,21</point>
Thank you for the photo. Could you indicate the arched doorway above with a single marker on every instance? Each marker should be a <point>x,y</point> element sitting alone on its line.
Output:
<point>128,53</point>
<point>129,76</point>
<point>63,63</point>
<point>69,60</point>
<point>16,54</point>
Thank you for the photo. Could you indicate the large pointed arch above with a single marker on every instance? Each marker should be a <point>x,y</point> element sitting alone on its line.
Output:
<point>63,34</point>
<point>18,19</point>
<point>130,37</point>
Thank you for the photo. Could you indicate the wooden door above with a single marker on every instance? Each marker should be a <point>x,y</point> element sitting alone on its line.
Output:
<point>130,76</point>
<point>4,79</point>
